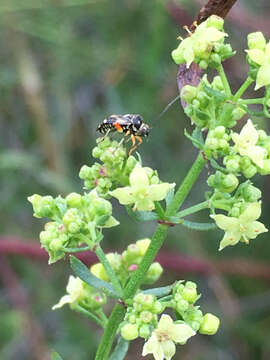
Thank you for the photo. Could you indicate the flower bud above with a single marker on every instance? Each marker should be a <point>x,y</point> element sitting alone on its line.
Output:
<point>96,152</point>
<point>56,245</point>
<point>85,172</point>
<point>217,83</point>
<point>129,332</point>
<point>43,206</point>
<point>144,331</point>
<point>238,113</point>
<point>96,300</point>
<point>188,93</point>
<point>158,307</point>
<point>209,325</point>
<point>265,170</point>
<point>99,271</point>
<point>251,193</point>
<point>146,300</point>
<point>189,293</point>
<point>215,21</point>
<point>182,305</point>
<point>146,316</point>
<point>74,200</point>
<point>153,274</point>
<point>143,245</point>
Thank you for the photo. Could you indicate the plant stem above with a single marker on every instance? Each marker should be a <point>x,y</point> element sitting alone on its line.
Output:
<point>156,243</point>
<point>242,88</point>
<point>109,270</point>
<point>186,185</point>
<point>224,80</point>
<point>252,101</point>
<point>78,249</point>
<point>105,345</point>
<point>92,316</point>
<point>194,209</point>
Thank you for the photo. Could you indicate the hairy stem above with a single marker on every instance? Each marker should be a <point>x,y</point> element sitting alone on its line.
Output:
<point>194,209</point>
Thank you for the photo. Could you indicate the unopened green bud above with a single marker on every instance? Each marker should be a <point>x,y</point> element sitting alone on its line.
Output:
<point>131,163</point>
<point>146,300</point>
<point>97,300</point>
<point>43,206</point>
<point>262,135</point>
<point>158,307</point>
<point>143,245</point>
<point>251,193</point>
<point>249,171</point>
<point>146,316</point>
<point>238,113</point>
<point>189,293</point>
<point>188,93</point>
<point>182,305</point>
<point>217,83</point>
<point>210,324</point>
<point>144,331</point>
<point>85,172</point>
<point>215,60</point>
<point>129,332</point>
<point>45,237</point>
<point>211,143</point>
<point>102,207</point>
<point>230,183</point>
<point>203,64</point>
<point>74,200</point>
<point>235,211</point>
<point>56,244</point>
<point>99,271</point>
<point>256,40</point>
<point>232,163</point>
<point>153,274</point>
<point>219,131</point>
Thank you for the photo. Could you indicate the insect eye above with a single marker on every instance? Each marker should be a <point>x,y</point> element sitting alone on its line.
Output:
<point>137,121</point>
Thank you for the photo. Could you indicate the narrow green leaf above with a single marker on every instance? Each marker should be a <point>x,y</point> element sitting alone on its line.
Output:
<point>199,226</point>
<point>175,219</point>
<point>56,356</point>
<point>141,215</point>
<point>84,274</point>
<point>160,291</point>
<point>194,141</point>
<point>120,350</point>
<point>216,166</point>
<point>219,96</point>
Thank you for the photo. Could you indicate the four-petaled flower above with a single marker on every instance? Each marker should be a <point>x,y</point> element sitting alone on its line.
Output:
<point>162,341</point>
<point>75,290</point>
<point>243,228</point>
<point>245,144</point>
<point>140,192</point>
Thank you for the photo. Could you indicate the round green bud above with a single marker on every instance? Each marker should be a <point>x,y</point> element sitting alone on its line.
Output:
<point>232,164</point>
<point>235,211</point>
<point>223,144</point>
<point>189,293</point>
<point>45,237</point>
<point>153,274</point>
<point>114,260</point>
<point>70,216</point>
<point>265,170</point>
<point>195,325</point>
<point>178,56</point>
<point>262,135</point>
<point>215,60</point>
<point>217,83</point>
<point>188,93</point>
<point>146,316</point>
<point>97,300</point>
<point>56,245</point>
<point>182,305</point>
<point>74,200</point>
<point>238,113</point>
<point>144,331</point>
<point>143,245</point>
<point>129,332</point>
<point>230,183</point>
<point>96,152</point>
<point>85,172</point>
<point>99,271</point>
<point>158,307</point>
<point>74,227</point>
<point>196,104</point>
<point>132,318</point>
<point>211,143</point>
<point>102,207</point>
<point>256,40</point>
<point>146,300</point>
<point>43,206</point>
<point>251,193</point>
<point>249,171</point>
<point>131,163</point>
<point>203,64</point>
<point>209,325</point>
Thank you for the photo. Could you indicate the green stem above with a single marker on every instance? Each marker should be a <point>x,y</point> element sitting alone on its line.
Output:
<point>186,185</point>
<point>252,101</point>
<point>224,80</point>
<point>109,271</point>
<point>78,249</point>
<point>194,209</point>
<point>158,238</point>
<point>90,315</point>
<point>242,88</point>
<point>103,317</point>
<point>106,342</point>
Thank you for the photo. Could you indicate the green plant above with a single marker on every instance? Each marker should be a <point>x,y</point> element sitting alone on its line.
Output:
<point>79,221</point>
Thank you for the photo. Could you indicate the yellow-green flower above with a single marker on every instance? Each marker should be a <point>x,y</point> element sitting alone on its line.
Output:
<point>76,292</point>
<point>240,229</point>
<point>260,55</point>
<point>162,341</point>
<point>140,192</point>
<point>245,144</point>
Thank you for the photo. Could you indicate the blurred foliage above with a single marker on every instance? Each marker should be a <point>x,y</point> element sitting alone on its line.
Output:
<point>64,66</point>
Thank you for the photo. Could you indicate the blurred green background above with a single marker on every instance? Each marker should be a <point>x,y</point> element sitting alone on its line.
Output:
<point>64,66</point>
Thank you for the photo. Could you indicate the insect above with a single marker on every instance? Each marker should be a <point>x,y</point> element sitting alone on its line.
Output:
<point>129,124</point>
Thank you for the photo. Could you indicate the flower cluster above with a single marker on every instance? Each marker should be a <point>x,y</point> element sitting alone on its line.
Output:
<point>258,57</point>
<point>162,335</point>
<point>81,294</point>
<point>77,219</point>
<point>126,263</point>
<point>114,170</point>
<point>205,46</point>
<point>208,109</point>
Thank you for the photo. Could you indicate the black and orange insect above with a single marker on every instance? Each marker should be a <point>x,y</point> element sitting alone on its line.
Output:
<point>128,124</point>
